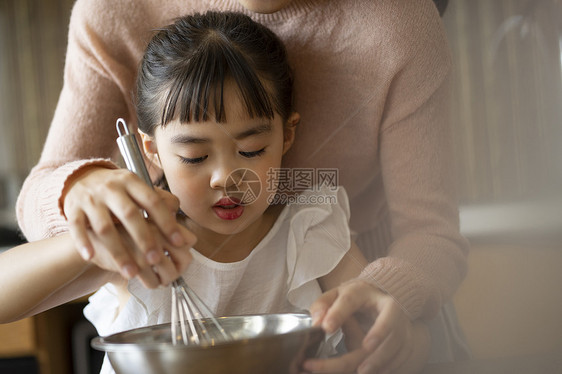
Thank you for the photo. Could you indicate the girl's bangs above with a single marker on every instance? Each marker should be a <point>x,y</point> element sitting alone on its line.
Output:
<point>197,93</point>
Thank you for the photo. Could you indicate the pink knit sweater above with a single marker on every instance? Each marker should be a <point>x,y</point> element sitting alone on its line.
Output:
<point>370,85</point>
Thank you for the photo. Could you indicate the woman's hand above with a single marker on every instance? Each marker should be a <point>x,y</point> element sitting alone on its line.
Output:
<point>99,200</point>
<point>171,266</point>
<point>393,344</point>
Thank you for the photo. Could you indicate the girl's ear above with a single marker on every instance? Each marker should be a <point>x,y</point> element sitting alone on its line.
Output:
<point>150,149</point>
<point>289,131</point>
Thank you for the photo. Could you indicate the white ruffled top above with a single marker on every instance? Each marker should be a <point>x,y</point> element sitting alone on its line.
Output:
<point>307,241</point>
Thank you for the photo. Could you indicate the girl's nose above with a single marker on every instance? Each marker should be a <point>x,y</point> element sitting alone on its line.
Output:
<point>223,176</point>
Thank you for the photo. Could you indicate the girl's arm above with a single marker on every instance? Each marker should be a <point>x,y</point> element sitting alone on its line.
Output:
<point>351,265</point>
<point>40,275</point>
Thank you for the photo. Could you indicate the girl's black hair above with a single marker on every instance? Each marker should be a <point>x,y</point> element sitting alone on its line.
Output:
<point>184,68</point>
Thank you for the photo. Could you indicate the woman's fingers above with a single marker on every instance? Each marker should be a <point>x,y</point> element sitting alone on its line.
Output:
<point>106,260</point>
<point>106,214</point>
<point>149,278</point>
<point>85,206</point>
<point>342,364</point>
<point>389,339</point>
<point>131,216</point>
<point>353,296</point>
<point>110,241</point>
<point>88,212</point>
<point>171,267</point>
<point>101,197</point>
<point>391,319</point>
<point>181,256</point>
<point>157,204</point>
<point>388,342</point>
<point>171,200</point>
<point>411,356</point>
<point>174,262</point>
<point>404,353</point>
<point>164,272</point>
<point>381,357</point>
<point>128,198</point>
<point>321,305</point>
<point>79,233</point>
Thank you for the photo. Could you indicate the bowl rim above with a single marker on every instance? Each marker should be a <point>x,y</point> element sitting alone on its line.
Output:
<point>104,343</point>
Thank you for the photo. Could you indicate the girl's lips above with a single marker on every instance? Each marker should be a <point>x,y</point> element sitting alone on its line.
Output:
<point>228,209</point>
<point>227,201</point>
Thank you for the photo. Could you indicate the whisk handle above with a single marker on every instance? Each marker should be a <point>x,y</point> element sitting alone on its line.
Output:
<point>129,148</point>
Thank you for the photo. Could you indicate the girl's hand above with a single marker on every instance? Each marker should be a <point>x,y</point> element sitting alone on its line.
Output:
<point>175,261</point>
<point>393,344</point>
<point>99,198</point>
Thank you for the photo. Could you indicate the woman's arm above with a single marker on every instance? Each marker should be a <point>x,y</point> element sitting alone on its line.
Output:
<point>76,186</point>
<point>426,259</point>
<point>40,275</point>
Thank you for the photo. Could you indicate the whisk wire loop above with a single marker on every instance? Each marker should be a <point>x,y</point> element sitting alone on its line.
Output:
<point>188,309</point>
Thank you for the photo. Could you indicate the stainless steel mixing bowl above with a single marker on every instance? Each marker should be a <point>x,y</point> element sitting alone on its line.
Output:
<point>262,344</point>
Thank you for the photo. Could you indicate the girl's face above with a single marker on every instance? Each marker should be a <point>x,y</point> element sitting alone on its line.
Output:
<point>208,164</point>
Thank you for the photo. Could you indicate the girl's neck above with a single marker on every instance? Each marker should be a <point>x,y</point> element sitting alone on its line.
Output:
<point>234,247</point>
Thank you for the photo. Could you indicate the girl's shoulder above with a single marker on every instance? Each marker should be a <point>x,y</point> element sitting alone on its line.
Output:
<point>318,239</point>
<point>315,209</point>
<point>311,216</point>
<point>324,197</point>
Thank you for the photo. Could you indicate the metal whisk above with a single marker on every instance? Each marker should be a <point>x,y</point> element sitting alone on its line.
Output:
<point>187,306</point>
<point>192,322</point>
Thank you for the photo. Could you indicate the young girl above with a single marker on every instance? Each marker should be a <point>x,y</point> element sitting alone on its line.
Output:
<point>214,97</point>
<point>214,112</point>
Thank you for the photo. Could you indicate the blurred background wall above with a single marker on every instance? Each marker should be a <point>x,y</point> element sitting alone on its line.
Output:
<point>506,110</point>
<point>507,99</point>
<point>32,47</point>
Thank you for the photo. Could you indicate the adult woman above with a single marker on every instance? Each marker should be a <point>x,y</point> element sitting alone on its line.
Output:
<point>378,69</point>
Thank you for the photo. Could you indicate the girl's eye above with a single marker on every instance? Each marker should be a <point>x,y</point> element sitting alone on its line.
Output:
<point>190,161</point>
<point>253,153</point>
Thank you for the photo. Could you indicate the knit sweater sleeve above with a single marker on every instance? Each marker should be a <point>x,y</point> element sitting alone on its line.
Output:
<point>427,257</point>
<point>96,91</point>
